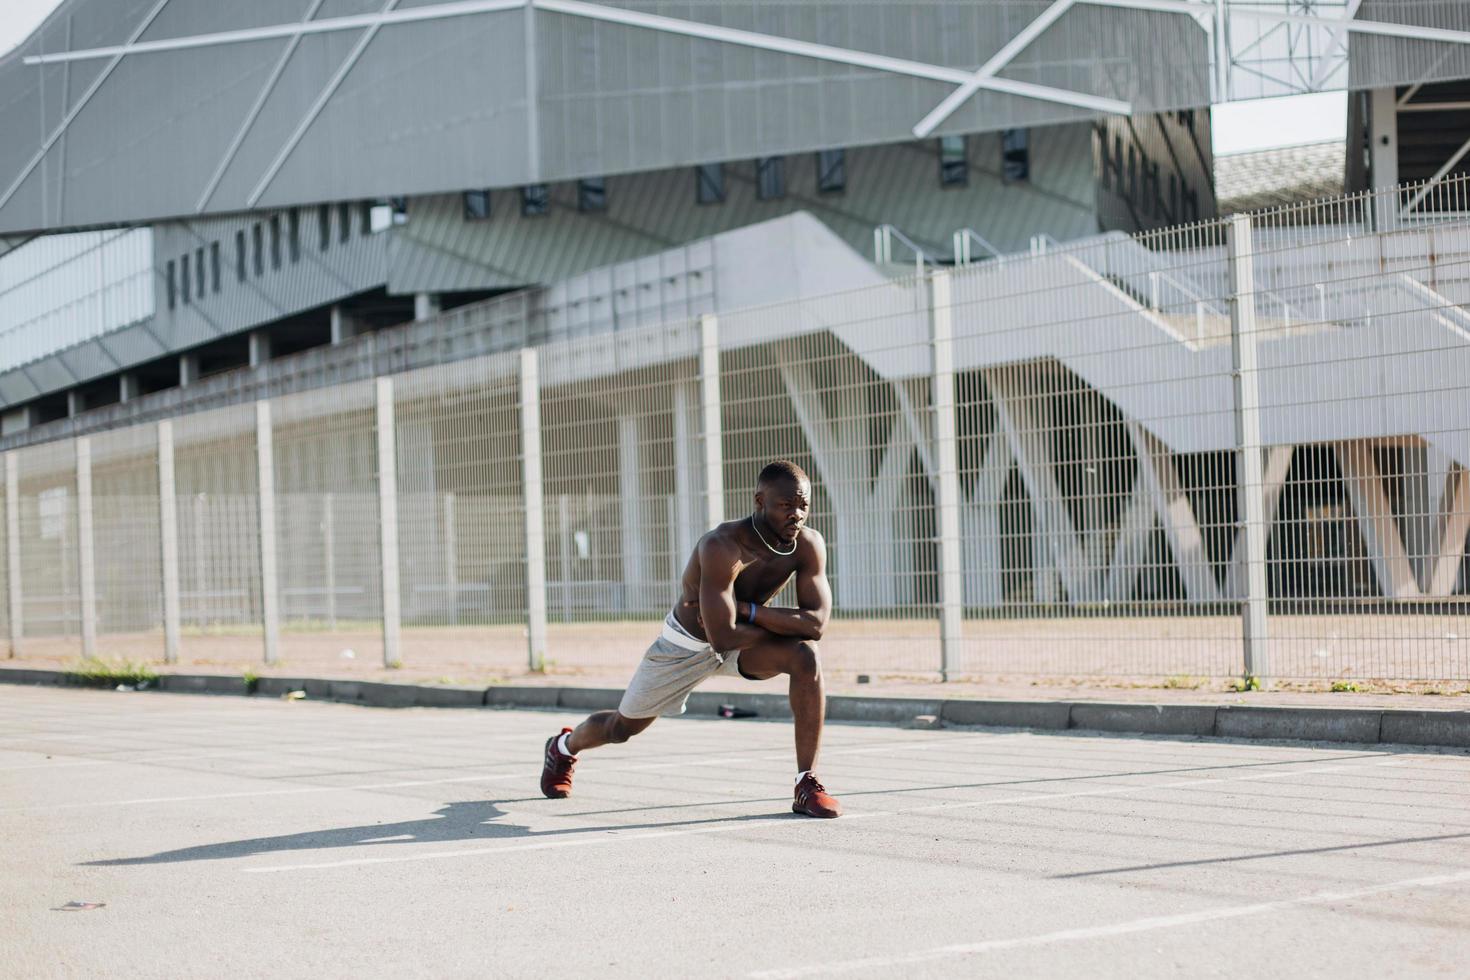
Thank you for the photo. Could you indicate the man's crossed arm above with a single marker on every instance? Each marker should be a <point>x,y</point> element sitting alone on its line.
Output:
<point>728,622</point>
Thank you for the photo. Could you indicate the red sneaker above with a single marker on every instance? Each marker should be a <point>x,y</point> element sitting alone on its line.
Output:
<point>556,771</point>
<point>812,799</point>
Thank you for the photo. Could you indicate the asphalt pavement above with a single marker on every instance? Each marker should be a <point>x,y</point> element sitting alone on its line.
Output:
<point>254,837</point>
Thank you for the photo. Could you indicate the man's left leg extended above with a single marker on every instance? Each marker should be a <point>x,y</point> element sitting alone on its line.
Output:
<point>802,662</point>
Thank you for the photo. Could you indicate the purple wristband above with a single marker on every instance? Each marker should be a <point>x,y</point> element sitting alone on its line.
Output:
<point>752,612</point>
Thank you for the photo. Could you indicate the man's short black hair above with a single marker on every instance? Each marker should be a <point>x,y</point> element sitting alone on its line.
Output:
<point>781,471</point>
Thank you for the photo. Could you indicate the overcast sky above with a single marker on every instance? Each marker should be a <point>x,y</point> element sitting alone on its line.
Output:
<point>1237,126</point>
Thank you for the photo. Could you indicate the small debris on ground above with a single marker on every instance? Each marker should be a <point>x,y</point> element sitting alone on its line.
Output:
<point>864,679</point>
<point>730,711</point>
<point>348,654</point>
<point>293,695</point>
<point>79,906</point>
<point>925,721</point>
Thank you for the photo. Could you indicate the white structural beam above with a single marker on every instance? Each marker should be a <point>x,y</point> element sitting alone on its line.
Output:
<point>86,547</point>
<point>168,537</point>
<point>535,510</point>
<point>980,524</point>
<point>12,551</point>
<point>709,397</point>
<point>1444,573</point>
<point>1334,44</point>
<point>947,466</point>
<point>1056,543</point>
<point>1131,545</point>
<point>999,60</point>
<point>1278,464</point>
<point>1433,182</point>
<point>254,112</point>
<point>1374,512</point>
<point>265,468</point>
<point>388,523</point>
<point>298,29</point>
<point>827,52</point>
<point>371,23</point>
<point>76,109</point>
<point>634,539</point>
<point>323,97</point>
<point>1170,501</point>
<point>1412,32</point>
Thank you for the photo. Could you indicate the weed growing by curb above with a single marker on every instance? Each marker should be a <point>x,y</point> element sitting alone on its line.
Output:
<point>96,672</point>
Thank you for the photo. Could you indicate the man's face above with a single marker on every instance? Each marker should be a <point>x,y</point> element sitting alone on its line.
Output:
<point>784,505</point>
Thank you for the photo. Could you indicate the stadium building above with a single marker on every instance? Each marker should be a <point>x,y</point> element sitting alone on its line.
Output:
<point>206,205</point>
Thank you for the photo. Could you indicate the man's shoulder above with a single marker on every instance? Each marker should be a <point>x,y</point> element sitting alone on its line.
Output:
<point>811,540</point>
<point>722,536</point>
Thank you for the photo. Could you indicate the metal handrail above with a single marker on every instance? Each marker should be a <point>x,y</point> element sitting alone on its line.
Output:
<point>883,237</point>
<point>962,253</point>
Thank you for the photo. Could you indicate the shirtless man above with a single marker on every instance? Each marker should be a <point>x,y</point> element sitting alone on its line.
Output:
<point>722,625</point>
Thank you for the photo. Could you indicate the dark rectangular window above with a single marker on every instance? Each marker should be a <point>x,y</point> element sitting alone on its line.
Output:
<point>535,200</point>
<point>240,255</point>
<point>365,217</point>
<point>709,183</point>
<point>954,165</point>
<point>592,194</point>
<point>184,278</point>
<point>214,267</point>
<point>293,235</point>
<point>399,208</point>
<point>275,241</point>
<point>323,226</point>
<point>173,287</point>
<point>831,171</point>
<point>770,178</point>
<point>344,222</point>
<point>258,249</point>
<point>199,271</point>
<point>476,205</point>
<point>1015,154</point>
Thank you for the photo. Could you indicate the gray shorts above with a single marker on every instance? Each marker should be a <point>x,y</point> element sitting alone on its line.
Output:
<point>675,664</point>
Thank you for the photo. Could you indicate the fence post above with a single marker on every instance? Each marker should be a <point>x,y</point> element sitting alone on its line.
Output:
<point>12,549</point>
<point>1249,466</point>
<point>535,510</point>
<point>329,556</point>
<point>168,536</point>
<point>709,397</point>
<point>86,548</point>
<point>451,558</point>
<point>388,524</point>
<point>946,461</point>
<point>265,467</point>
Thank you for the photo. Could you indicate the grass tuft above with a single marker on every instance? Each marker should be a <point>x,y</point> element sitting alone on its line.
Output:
<point>96,672</point>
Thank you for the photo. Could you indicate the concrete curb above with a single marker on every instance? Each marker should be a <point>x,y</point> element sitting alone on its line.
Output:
<point>1359,726</point>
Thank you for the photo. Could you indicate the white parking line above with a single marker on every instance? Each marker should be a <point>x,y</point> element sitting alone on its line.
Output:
<point>603,836</point>
<point>888,963</point>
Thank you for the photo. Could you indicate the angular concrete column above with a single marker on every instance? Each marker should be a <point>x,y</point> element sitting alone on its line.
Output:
<point>1249,467</point>
<point>74,404</point>
<point>946,462</point>
<point>265,464</point>
<point>168,535</point>
<point>1383,151</point>
<point>260,347</point>
<point>530,385</point>
<point>343,327</point>
<point>188,369</point>
<point>388,524</point>
<point>127,387</point>
<point>425,305</point>
<point>86,547</point>
<point>709,398</point>
<point>12,551</point>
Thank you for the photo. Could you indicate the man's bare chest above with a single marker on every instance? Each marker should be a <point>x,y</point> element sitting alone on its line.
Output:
<point>760,578</point>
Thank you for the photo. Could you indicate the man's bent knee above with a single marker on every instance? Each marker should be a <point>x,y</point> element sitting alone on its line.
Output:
<point>807,659</point>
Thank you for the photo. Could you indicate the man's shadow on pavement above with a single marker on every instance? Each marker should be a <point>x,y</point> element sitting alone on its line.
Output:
<point>452,822</point>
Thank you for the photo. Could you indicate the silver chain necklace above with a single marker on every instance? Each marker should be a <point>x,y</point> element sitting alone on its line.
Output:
<point>758,534</point>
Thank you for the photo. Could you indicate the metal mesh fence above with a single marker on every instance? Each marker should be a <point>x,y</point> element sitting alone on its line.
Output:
<point>1235,447</point>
